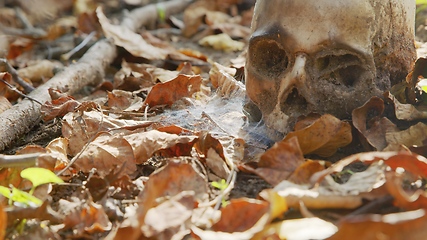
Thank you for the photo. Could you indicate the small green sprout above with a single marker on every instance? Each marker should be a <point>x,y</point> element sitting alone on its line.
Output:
<point>221,185</point>
<point>37,176</point>
<point>20,197</point>
<point>161,13</point>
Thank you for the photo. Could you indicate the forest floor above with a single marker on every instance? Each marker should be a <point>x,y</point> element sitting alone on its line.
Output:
<point>124,119</point>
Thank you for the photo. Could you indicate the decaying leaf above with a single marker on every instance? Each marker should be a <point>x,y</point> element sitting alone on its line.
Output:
<point>415,135</point>
<point>145,144</point>
<point>222,42</point>
<point>106,152</point>
<point>4,104</point>
<point>3,222</point>
<point>40,71</point>
<point>222,79</point>
<point>406,111</point>
<point>253,216</point>
<point>119,100</point>
<point>331,194</point>
<point>131,41</point>
<point>368,121</point>
<point>395,226</point>
<point>177,179</point>
<point>79,127</point>
<point>280,161</point>
<point>169,92</point>
<point>305,228</point>
<point>303,173</point>
<point>56,156</point>
<point>323,136</point>
<point>171,218</point>
<point>134,76</point>
<point>58,107</point>
<point>84,217</point>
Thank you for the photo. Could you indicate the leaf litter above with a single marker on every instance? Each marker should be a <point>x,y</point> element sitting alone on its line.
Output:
<point>139,152</point>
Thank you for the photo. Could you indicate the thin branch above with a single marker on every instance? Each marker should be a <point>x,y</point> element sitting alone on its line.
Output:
<point>15,77</point>
<point>67,56</point>
<point>13,88</point>
<point>24,160</point>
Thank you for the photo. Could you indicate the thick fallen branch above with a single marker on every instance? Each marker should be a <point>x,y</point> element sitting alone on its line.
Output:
<point>89,70</point>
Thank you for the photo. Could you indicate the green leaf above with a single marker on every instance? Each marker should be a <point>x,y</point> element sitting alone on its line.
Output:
<point>25,198</point>
<point>421,2</point>
<point>222,185</point>
<point>40,176</point>
<point>5,191</point>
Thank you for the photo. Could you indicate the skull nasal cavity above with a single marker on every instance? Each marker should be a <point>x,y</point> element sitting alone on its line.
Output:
<point>267,57</point>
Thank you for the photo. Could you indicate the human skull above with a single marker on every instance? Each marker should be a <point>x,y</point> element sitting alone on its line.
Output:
<point>326,56</point>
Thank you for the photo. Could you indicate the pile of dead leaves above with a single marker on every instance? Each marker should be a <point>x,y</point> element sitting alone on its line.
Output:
<point>156,148</point>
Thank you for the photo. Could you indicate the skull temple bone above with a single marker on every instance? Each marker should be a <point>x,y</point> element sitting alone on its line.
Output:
<point>326,56</point>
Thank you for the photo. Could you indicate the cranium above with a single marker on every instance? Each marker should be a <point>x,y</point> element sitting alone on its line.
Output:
<point>326,56</point>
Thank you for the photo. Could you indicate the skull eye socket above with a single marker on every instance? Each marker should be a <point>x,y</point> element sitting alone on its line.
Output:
<point>343,69</point>
<point>267,57</point>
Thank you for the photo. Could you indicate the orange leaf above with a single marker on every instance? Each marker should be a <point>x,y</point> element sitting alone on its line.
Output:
<point>395,226</point>
<point>324,136</point>
<point>374,130</point>
<point>280,161</point>
<point>3,222</point>
<point>241,215</point>
<point>169,92</point>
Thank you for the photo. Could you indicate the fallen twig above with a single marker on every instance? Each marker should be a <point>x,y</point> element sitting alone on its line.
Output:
<point>24,160</point>
<point>27,87</point>
<point>66,56</point>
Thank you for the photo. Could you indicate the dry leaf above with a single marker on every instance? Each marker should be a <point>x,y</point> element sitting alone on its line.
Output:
<point>249,212</point>
<point>406,111</point>
<point>5,91</point>
<point>170,218</point>
<point>415,135</point>
<point>145,144</point>
<point>39,71</point>
<point>56,156</point>
<point>169,181</point>
<point>412,163</point>
<point>131,41</point>
<point>233,30</point>
<point>58,107</point>
<point>4,104</point>
<point>41,10</point>
<point>324,136</point>
<point>240,219</point>
<point>124,101</point>
<point>3,222</point>
<point>395,226</point>
<point>373,128</point>
<point>306,228</point>
<point>169,92</point>
<point>85,217</point>
<point>319,198</point>
<point>61,27</point>
<point>222,42</point>
<point>193,16</point>
<point>78,127</point>
<point>303,173</point>
<point>280,161</point>
<point>144,75</point>
<point>107,152</point>
<point>222,79</point>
